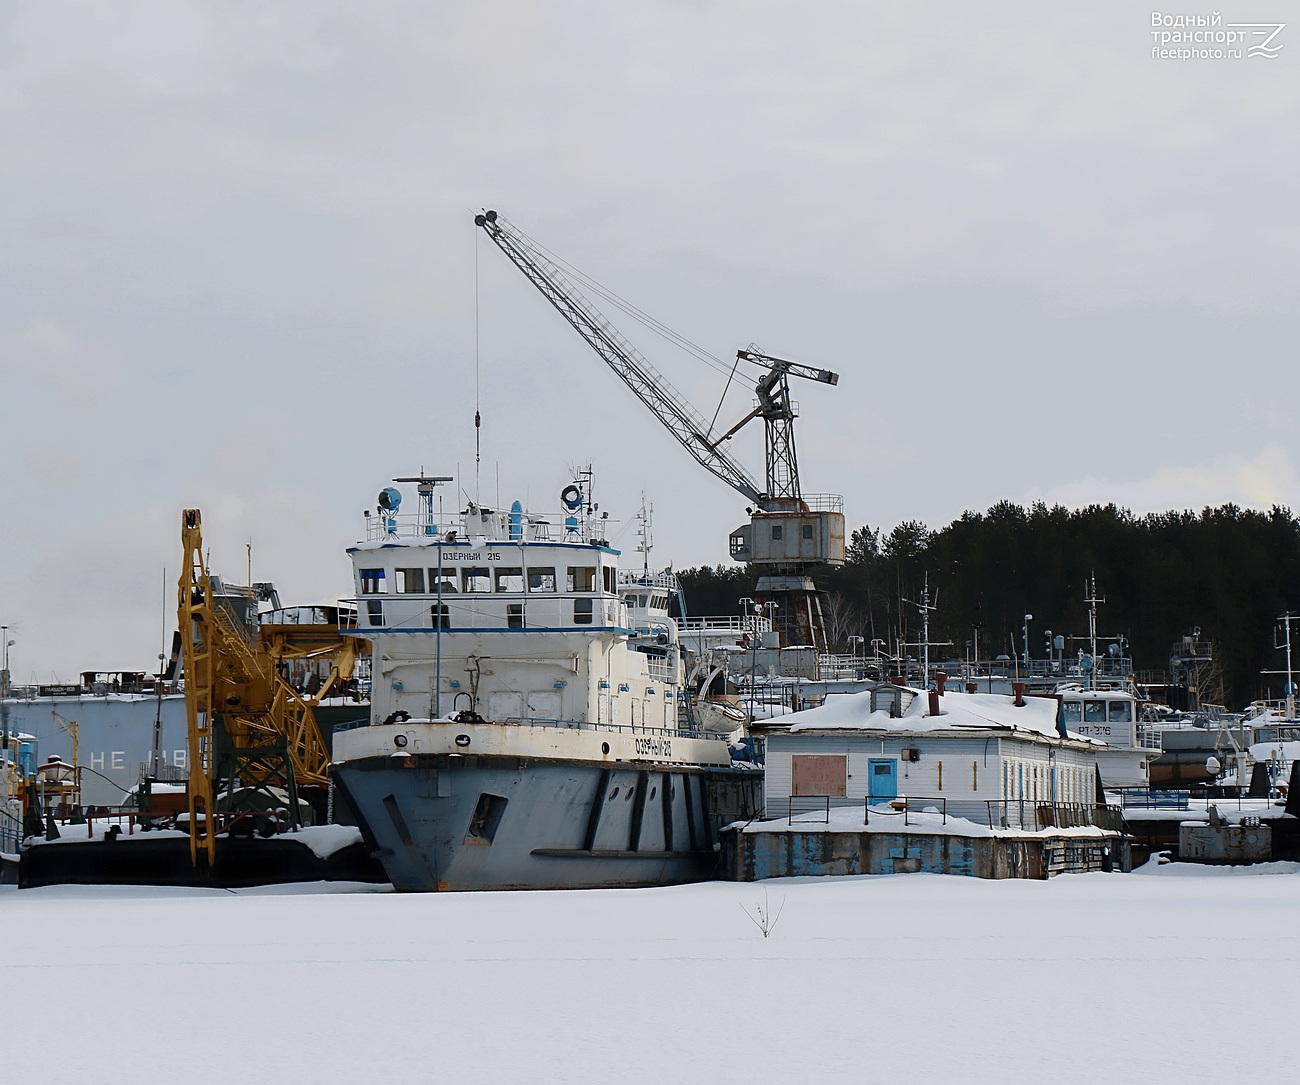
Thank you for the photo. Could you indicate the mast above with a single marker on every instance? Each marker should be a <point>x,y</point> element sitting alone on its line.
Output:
<point>1092,599</point>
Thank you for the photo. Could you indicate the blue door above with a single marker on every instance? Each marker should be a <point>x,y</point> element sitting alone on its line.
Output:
<point>882,780</point>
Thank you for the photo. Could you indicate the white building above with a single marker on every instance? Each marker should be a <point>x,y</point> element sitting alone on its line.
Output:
<point>979,756</point>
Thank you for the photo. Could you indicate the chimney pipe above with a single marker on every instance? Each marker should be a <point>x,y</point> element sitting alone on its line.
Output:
<point>972,687</point>
<point>897,679</point>
<point>934,702</point>
<point>940,678</point>
<point>1018,688</point>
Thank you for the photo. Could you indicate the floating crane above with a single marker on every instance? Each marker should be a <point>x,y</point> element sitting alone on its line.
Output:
<point>249,730</point>
<point>790,534</point>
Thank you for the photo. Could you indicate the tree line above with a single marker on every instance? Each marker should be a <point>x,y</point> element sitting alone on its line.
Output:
<point>1227,571</point>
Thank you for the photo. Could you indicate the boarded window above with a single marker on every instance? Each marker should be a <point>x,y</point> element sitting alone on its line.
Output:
<point>375,610</point>
<point>807,531</point>
<point>818,774</point>
<point>582,612</point>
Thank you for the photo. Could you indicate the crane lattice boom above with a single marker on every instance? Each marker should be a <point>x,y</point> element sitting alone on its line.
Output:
<point>668,405</point>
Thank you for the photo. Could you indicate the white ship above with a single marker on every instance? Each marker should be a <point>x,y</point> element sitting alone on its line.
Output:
<point>530,722</point>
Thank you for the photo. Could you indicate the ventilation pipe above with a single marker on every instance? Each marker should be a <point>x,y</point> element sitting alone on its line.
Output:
<point>1018,688</point>
<point>934,702</point>
<point>940,678</point>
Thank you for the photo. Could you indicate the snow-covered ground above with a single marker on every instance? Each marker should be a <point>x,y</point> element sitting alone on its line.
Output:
<point>1176,974</point>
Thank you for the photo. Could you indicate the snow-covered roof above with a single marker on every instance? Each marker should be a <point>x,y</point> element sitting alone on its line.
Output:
<point>957,712</point>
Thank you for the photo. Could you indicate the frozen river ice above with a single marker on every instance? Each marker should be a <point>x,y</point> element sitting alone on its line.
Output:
<point>1174,974</point>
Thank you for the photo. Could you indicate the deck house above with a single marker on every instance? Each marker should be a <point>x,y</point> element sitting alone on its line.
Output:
<point>990,758</point>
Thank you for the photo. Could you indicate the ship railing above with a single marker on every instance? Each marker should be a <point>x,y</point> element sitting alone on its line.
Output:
<point>661,669</point>
<point>1144,798</point>
<point>752,623</point>
<point>614,728</point>
<point>663,579</point>
<point>903,806</point>
<point>832,665</point>
<point>577,725</point>
<point>805,807</point>
<point>72,820</point>
<point>823,502</point>
<point>797,806</point>
<point>1034,815</point>
<point>1150,738</point>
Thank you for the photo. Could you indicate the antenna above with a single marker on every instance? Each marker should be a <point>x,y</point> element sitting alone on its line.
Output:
<point>925,607</point>
<point>644,533</point>
<point>1092,599</point>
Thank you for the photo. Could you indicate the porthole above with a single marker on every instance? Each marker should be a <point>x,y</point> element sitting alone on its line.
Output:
<point>399,741</point>
<point>629,793</point>
<point>604,747</point>
<point>462,740</point>
<point>653,791</point>
<point>613,794</point>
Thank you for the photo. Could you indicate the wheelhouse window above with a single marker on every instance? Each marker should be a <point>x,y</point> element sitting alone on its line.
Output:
<point>609,575</point>
<point>511,580</point>
<point>581,578</point>
<point>542,580</point>
<point>515,615</point>
<point>1119,712</point>
<point>582,612</point>
<point>410,581</point>
<point>372,582</point>
<point>1094,712</point>
<point>375,611</point>
<point>1071,712</point>
<point>446,579</point>
<point>476,581</point>
<point>438,616</point>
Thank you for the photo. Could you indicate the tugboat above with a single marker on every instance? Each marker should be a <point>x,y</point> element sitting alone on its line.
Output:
<point>531,726</point>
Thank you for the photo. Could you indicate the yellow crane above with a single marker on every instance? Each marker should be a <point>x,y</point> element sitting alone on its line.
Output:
<point>248,727</point>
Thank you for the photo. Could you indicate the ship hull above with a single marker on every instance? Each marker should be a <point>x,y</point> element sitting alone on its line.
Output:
<point>451,823</point>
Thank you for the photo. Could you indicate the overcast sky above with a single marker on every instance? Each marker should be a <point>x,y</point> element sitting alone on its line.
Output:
<point>239,271</point>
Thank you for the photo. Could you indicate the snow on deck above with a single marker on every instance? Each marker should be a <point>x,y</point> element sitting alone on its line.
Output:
<point>1171,974</point>
<point>957,711</point>
<point>929,821</point>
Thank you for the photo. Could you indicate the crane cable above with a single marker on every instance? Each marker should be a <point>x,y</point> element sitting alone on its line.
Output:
<point>478,418</point>
<point>639,315</point>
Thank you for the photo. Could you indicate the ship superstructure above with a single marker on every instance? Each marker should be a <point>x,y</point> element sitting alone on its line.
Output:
<point>530,724</point>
